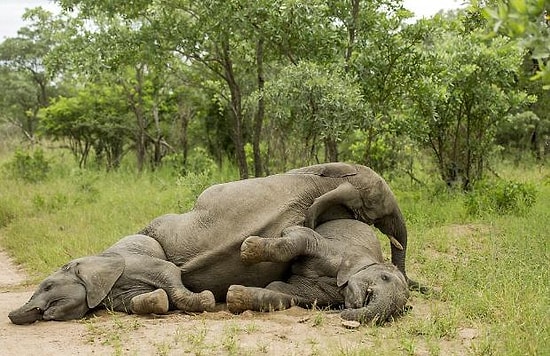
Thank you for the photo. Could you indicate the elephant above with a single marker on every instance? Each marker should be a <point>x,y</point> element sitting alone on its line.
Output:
<point>199,252</point>
<point>338,264</point>
<point>208,237</point>
<point>131,276</point>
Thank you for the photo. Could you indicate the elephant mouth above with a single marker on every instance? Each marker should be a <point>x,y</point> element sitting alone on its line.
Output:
<point>369,297</point>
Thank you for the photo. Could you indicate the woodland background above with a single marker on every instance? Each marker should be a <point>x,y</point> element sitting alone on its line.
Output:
<point>266,86</point>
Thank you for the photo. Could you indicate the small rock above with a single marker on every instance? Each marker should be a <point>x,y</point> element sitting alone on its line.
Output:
<point>351,324</point>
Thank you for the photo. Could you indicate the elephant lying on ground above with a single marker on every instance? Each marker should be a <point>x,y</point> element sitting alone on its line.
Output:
<point>131,276</point>
<point>205,243</point>
<point>344,266</point>
<point>208,238</point>
<point>338,264</point>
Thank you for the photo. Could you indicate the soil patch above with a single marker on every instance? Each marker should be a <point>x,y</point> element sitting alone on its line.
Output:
<point>295,331</point>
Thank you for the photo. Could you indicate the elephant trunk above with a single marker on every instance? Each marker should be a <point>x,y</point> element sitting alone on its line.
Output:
<point>379,306</point>
<point>393,225</point>
<point>27,314</point>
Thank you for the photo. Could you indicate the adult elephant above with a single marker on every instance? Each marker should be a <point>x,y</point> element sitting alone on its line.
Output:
<point>205,238</point>
<point>340,264</point>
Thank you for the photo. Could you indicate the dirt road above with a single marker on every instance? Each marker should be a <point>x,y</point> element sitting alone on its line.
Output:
<point>295,331</point>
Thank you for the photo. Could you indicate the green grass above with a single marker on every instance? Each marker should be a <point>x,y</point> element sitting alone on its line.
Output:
<point>488,272</point>
<point>81,212</point>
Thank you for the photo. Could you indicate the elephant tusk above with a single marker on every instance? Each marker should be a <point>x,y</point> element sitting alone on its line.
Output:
<point>395,243</point>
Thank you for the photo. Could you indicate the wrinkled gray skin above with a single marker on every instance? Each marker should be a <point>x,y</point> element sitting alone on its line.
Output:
<point>207,239</point>
<point>130,276</point>
<point>339,264</point>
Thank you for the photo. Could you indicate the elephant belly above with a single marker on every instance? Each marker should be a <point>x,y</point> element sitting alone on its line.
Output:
<point>217,276</point>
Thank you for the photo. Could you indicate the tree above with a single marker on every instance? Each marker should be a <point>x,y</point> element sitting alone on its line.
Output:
<point>96,118</point>
<point>468,86</point>
<point>311,103</point>
<point>27,85</point>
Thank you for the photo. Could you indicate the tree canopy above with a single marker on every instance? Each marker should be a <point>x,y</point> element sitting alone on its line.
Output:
<point>276,84</point>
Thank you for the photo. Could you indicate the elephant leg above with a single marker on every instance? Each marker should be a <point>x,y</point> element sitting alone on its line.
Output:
<point>309,291</point>
<point>296,241</point>
<point>240,298</point>
<point>167,276</point>
<point>300,291</point>
<point>184,299</point>
<point>344,195</point>
<point>155,302</point>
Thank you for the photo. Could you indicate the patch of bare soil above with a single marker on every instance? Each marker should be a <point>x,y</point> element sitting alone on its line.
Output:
<point>295,331</point>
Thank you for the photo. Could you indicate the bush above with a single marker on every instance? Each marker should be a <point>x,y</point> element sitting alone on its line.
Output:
<point>199,161</point>
<point>503,197</point>
<point>30,167</point>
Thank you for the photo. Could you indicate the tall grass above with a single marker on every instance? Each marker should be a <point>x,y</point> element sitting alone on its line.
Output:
<point>76,212</point>
<point>491,269</point>
<point>488,271</point>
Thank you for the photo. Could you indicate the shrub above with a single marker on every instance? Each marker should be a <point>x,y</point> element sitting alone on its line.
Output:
<point>30,167</point>
<point>503,197</point>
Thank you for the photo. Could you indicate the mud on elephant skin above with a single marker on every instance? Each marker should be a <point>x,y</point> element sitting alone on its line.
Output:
<point>340,264</point>
<point>131,276</point>
<point>207,239</point>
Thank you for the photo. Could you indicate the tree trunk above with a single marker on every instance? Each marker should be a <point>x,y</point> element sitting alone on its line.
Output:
<point>185,116</point>
<point>135,98</point>
<point>236,110</point>
<point>331,149</point>
<point>157,157</point>
<point>259,117</point>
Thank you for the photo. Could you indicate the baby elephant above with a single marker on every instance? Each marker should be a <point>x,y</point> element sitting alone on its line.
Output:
<point>133,276</point>
<point>338,264</point>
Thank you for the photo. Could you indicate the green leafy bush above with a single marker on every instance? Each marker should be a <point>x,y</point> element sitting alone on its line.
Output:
<point>199,161</point>
<point>503,197</point>
<point>30,167</point>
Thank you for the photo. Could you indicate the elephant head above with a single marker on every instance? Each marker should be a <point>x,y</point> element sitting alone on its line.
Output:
<point>70,292</point>
<point>373,293</point>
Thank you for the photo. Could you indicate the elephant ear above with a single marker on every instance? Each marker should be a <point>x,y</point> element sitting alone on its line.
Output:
<point>331,170</point>
<point>99,274</point>
<point>351,265</point>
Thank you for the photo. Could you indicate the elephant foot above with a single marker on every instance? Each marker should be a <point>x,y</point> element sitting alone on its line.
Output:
<point>240,298</point>
<point>252,250</point>
<point>155,302</point>
<point>194,302</point>
<point>207,300</point>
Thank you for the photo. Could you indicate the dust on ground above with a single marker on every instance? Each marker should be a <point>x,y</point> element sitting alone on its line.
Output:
<point>295,331</point>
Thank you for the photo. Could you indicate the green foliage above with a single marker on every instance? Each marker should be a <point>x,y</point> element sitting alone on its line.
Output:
<point>27,84</point>
<point>198,162</point>
<point>94,119</point>
<point>528,22</point>
<point>501,197</point>
<point>312,104</point>
<point>466,90</point>
<point>29,166</point>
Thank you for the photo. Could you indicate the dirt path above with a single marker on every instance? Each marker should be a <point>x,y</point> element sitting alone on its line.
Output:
<point>295,331</point>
